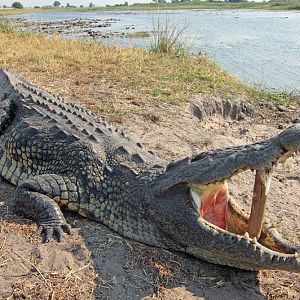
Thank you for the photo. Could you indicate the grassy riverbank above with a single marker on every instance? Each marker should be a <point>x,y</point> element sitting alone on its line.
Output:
<point>195,4</point>
<point>198,4</point>
<point>13,11</point>
<point>115,80</point>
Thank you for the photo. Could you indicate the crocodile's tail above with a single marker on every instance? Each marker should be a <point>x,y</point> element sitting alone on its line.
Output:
<point>7,107</point>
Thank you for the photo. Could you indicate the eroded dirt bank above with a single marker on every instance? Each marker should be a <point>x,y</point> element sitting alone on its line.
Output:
<point>96,263</point>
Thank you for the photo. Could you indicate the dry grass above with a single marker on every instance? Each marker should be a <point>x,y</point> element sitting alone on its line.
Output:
<point>52,286</point>
<point>134,72</point>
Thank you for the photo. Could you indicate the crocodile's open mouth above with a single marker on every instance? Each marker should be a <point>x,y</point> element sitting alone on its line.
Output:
<point>212,203</point>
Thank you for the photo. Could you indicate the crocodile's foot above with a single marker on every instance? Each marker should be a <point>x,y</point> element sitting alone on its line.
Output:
<point>52,230</point>
<point>35,200</point>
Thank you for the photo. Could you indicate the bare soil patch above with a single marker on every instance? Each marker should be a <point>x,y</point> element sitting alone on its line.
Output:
<point>96,263</point>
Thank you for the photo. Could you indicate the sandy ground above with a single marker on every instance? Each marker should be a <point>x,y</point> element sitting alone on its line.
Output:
<point>96,263</point>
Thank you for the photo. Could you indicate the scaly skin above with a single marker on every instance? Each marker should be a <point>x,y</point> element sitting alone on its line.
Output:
<point>63,156</point>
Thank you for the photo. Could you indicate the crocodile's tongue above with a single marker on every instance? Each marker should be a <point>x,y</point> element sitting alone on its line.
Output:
<point>259,201</point>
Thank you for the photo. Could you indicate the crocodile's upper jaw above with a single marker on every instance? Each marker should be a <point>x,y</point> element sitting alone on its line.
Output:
<point>231,237</point>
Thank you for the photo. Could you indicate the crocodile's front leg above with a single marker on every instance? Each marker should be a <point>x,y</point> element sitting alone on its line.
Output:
<point>37,199</point>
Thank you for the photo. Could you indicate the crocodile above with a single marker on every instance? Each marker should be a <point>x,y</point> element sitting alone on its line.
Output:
<point>63,156</point>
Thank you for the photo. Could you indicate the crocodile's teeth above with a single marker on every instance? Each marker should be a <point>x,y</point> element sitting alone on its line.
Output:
<point>296,254</point>
<point>197,199</point>
<point>246,236</point>
<point>254,240</point>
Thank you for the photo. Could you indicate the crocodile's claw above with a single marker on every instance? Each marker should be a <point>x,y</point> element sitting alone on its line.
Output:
<point>52,231</point>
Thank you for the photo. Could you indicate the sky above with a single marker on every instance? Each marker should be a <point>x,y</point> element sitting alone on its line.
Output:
<point>31,3</point>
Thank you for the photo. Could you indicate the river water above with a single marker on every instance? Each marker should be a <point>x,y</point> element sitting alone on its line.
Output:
<point>259,47</point>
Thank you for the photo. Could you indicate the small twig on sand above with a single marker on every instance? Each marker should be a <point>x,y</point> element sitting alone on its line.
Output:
<point>3,254</point>
<point>2,246</point>
<point>72,272</point>
<point>52,295</point>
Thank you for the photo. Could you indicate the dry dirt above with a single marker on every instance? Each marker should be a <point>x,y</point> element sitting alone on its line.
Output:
<point>96,263</point>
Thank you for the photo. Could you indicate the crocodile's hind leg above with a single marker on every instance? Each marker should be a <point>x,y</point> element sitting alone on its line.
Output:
<point>38,198</point>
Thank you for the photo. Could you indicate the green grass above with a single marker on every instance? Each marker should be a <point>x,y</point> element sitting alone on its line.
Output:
<point>13,11</point>
<point>264,95</point>
<point>5,26</point>
<point>168,37</point>
<point>213,5</point>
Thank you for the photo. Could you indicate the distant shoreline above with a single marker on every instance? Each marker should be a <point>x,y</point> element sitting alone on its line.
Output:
<point>167,6</point>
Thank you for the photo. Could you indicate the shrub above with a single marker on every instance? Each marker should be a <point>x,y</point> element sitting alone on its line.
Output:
<point>168,38</point>
<point>17,5</point>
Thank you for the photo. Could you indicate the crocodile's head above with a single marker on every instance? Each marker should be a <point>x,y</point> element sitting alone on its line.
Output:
<point>193,208</point>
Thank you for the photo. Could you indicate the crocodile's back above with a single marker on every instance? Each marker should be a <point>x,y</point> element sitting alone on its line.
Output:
<point>41,134</point>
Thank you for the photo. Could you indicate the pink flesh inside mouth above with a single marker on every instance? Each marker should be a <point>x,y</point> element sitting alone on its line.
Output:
<point>211,202</point>
<point>214,208</point>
